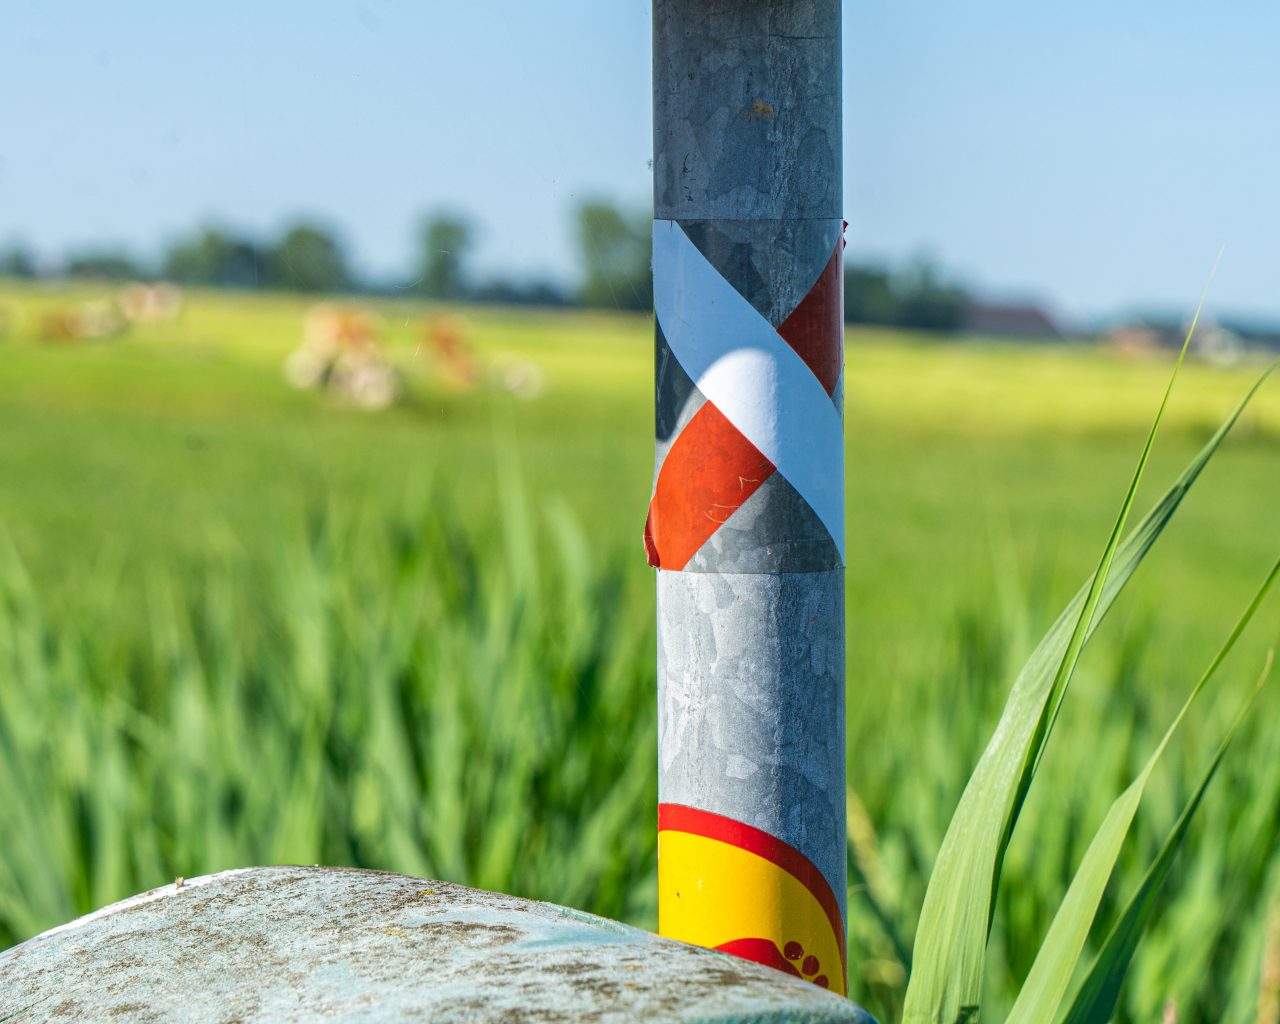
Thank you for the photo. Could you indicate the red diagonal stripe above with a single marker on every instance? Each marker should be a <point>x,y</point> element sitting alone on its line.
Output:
<point>813,328</point>
<point>710,470</point>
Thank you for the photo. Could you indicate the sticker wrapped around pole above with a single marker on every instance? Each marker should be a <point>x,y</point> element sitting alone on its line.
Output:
<point>746,519</point>
<point>749,474</point>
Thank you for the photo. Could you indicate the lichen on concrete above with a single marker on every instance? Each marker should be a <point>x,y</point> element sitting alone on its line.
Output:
<point>296,944</point>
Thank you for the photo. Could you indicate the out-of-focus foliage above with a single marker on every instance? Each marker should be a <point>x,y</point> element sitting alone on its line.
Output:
<point>614,248</point>
<point>444,246</point>
<point>505,292</point>
<point>202,553</point>
<point>308,258</point>
<point>916,297</point>
<point>613,267</point>
<point>104,264</point>
<point>215,256</point>
<point>16,260</point>
<point>401,690</point>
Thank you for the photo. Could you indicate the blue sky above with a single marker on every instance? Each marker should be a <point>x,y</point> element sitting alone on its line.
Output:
<point>1095,154</point>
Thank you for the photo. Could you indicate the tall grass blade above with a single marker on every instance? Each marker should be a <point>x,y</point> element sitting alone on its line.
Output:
<point>867,875</point>
<point>950,947</point>
<point>1050,974</point>
<point>1096,1001</point>
<point>1091,611</point>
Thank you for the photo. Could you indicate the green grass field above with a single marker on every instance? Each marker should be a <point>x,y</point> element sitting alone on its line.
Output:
<point>242,624</point>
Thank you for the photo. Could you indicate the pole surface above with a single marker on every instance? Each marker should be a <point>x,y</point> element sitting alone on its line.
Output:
<point>746,523</point>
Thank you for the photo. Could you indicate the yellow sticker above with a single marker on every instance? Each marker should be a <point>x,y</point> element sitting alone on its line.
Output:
<point>728,886</point>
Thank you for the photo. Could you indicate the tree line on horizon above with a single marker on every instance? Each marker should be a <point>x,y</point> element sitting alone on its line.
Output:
<point>613,245</point>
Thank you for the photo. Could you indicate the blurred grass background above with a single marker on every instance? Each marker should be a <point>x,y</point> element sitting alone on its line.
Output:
<point>244,624</point>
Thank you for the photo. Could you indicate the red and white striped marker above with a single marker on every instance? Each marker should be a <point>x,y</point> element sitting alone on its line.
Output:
<point>769,400</point>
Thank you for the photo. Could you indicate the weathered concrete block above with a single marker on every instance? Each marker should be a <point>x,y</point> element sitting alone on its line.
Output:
<point>297,943</point>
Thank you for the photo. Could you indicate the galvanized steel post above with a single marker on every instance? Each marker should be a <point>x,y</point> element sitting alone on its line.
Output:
<point>746,523</point>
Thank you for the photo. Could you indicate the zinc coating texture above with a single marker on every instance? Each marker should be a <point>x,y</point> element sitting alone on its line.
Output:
<point>293,944</point>
<point>746,522</point>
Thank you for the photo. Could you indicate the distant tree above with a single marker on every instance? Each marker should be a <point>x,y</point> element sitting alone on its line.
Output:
<point>928,302</point>
<point>615,249</point>
<point>917,297</point>
<point>213,256</point>
<point>869,296</point>
<point>16,260</point>
<point>307,258</point>
<point>444,245</point>
<point>520,293</point>
<point>104,264</point>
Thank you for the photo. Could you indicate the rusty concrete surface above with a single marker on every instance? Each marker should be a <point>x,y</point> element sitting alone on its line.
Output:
<point>299,943</point>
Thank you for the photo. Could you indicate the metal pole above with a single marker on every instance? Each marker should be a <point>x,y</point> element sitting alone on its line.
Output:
<point>746,524</point>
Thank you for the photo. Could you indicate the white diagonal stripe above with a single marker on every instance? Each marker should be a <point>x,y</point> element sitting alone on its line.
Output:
<point>740,362</point>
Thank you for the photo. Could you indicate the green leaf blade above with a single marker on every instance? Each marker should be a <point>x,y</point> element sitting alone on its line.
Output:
<point>1050,975</point>
<point>949,952</point>
<point>1096,1001</point>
